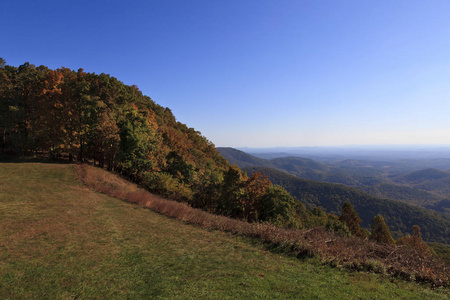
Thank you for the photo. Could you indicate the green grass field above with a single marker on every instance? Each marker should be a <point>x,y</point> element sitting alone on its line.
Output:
<point>59,240</point>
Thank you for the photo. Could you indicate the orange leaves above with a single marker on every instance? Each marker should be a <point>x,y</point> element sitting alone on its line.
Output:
<point>254,188</point>
<point>52,82</point>
<point>415,242</point>
<point>257,184</point>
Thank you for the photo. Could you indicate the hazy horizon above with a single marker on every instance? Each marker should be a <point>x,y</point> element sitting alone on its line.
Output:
<point>364,152</point>
<point>258,73</point>
<point>387,146</point>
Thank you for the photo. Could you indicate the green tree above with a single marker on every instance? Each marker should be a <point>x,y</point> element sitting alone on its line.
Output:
<point>380,231</point>
<point>352,220</point>
<point>27,83</point>
<point>231,193</point>
<point>208,191</point>
<point>278,207</point>
<point>139,144</point>
<point>333,224</point>
<point>179,168</point>
<point>7,118</point>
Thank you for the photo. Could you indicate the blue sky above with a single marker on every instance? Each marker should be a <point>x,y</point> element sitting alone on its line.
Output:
<point>258,73</point>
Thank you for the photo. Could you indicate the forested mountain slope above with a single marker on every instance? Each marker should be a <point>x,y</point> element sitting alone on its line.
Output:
<point>399,216</point>
<point>88,117</point>
<point>422,176</point>
<point>427,188</point>
<point>403,193</point>
<point>242,159</point>
<point>433,180</point>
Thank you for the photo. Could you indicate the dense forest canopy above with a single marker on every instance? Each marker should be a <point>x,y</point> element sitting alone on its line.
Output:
<point>88,116</point>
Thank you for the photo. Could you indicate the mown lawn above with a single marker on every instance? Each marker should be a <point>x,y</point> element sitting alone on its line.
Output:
<point>59,240</point>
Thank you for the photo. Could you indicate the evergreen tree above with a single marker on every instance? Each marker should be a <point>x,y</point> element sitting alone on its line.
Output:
<point>352,220</point>
<point>380,231</point>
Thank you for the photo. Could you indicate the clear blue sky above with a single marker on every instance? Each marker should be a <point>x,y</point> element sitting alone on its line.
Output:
<point>258,73</point>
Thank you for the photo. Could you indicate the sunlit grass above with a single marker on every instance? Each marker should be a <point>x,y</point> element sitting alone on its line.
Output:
<point>59,240</point>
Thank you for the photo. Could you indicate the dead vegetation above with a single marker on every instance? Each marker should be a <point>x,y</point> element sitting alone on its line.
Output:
<point>346,252</point>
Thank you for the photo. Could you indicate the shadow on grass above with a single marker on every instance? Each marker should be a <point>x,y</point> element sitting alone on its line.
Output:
<point>5,158</point>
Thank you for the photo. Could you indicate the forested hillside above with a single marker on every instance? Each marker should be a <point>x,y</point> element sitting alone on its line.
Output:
<point>85,117</point>
<point>403,193</point>
<point>399,216</point>
<point>88,117</point>
<point>428,188</point>
<point>433,180</point>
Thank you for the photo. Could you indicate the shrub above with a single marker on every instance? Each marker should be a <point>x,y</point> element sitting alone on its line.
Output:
<point>334,225</point>
<point>166,185</point>
<point>375,266</point>
<point>415,242</point>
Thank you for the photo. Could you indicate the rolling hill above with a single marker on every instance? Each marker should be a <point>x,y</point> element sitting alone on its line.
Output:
<point>432,180</point>
<point>425,188</point>
<point>403,193</point>
<point>240,158</point>
<point>422,176</point>
<point>293,165</point>
<point>399,216</point>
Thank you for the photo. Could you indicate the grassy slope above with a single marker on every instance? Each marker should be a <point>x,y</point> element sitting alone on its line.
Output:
<point>60,240</point>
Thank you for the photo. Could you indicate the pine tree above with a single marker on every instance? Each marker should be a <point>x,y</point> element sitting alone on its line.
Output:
<point>352,220</point>
<point>380,231</point>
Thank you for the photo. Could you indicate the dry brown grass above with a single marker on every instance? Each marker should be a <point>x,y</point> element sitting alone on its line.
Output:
<point>105,182</point>
<point>349,252</point>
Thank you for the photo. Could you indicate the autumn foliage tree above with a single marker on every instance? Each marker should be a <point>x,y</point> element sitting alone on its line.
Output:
<point>415,242</point>
<point>255,187</point>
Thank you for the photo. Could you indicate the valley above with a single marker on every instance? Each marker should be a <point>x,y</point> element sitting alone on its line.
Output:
<point>400,190</point>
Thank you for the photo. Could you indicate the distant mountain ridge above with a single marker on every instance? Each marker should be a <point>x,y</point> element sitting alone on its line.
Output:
<point>293,165</point>
<point>399,216</point>
<point>240,158</point>
<point>383,179</point>
<point>292,174</point>
<point>422,176</point>
<point>403,193</point>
